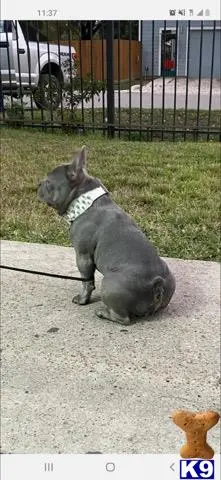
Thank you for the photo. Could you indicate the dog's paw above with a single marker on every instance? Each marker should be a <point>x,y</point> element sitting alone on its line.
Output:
<point>101,313</point>
<point>80,300</point>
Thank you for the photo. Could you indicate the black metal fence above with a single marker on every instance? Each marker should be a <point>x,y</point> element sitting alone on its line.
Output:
<point>147,80</point>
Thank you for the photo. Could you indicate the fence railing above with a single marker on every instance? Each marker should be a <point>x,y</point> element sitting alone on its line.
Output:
<point>163,85</point>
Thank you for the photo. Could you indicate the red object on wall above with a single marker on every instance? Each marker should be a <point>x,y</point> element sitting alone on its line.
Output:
<point>169,64</point>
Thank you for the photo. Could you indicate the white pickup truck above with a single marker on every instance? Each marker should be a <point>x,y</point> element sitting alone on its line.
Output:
<point>29,63</point>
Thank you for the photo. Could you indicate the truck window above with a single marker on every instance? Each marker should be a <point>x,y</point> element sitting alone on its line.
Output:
<point>5,26</point>
<point>32,31</point>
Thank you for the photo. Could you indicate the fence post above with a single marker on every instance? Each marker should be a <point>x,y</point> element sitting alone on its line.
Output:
<point>110,76</point>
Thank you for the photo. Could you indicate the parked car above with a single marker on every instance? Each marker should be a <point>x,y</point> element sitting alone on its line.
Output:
<point>29,63</point>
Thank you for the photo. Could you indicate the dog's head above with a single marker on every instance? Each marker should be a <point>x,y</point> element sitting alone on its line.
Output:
<point>64,183</point>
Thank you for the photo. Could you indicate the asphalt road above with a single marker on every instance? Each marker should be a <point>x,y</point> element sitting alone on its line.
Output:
<point>135,102</point>
<point>73,383</point>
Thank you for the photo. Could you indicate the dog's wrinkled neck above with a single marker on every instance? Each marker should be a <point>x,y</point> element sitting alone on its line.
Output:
<point>87,184</point>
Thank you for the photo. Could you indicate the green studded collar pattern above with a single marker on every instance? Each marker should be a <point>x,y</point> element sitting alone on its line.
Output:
<point>82,203</point>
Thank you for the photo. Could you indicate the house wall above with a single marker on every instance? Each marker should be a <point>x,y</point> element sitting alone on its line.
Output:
<point>151,30</point>
<point>206,58</point>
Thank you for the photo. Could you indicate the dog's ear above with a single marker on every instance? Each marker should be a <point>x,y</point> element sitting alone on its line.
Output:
<point>78,164</point>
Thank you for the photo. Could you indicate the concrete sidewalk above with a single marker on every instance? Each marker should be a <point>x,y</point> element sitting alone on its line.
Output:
<point>73,383</point>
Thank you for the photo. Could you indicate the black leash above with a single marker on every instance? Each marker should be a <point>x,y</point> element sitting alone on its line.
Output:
<point>64,277</point>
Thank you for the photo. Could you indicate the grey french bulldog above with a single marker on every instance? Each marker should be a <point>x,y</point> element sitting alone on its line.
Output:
<point>136,281</point>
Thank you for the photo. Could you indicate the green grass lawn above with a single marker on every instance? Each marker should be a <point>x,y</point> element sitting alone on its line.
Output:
<point>133,119</point>
<point>170,189</point>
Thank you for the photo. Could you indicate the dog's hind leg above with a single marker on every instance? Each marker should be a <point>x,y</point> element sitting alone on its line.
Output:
<point>116,300</point>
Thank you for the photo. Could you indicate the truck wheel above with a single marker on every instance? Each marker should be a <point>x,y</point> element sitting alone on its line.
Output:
<point>48,93</point>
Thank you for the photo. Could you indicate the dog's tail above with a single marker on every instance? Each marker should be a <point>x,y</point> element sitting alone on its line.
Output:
<point>158,290</point>
<point>163,290</point>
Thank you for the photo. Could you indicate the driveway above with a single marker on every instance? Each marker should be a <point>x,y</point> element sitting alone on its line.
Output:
<point>181,85</point>
<point>72,383</point>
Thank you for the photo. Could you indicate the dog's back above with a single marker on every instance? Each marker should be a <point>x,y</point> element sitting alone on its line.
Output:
<point>136,280</point>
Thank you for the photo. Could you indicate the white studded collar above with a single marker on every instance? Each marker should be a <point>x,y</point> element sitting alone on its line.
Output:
<point>82,203</point>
